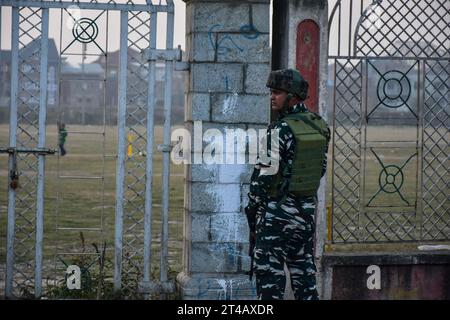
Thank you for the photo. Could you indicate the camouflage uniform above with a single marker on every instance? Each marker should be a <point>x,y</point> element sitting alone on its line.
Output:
<point>284,226</point>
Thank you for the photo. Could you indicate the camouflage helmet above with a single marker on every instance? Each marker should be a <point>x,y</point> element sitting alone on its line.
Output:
<point>288,80</point>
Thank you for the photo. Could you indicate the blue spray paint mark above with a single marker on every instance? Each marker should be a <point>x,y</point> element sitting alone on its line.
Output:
<point>220,47</point>
<point>210,36</point>
<point>226,83</point>
<point>249,31</point>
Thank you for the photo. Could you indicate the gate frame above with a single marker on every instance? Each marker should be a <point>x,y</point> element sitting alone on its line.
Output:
<point>352,53</point>
<point>168,55</point>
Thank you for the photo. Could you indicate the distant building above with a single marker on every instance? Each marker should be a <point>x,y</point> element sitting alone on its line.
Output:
<point>136,85</point>
<point>29,76</point>
<point>82,93</point>
<point>88,90</point>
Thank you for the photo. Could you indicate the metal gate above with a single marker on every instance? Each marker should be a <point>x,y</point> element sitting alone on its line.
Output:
<point>27,149</point>
<point>390,78</point>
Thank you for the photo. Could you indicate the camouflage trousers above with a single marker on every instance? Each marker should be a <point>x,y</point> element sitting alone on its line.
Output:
<point>284,235</point>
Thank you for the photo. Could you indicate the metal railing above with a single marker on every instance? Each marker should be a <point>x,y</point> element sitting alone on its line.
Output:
<point>390,74</point>
<point>136,100</point>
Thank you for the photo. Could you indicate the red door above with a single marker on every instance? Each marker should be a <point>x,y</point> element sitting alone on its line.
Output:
<point>307,60</point>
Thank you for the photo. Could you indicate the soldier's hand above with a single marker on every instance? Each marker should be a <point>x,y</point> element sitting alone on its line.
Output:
<point>252,237</point>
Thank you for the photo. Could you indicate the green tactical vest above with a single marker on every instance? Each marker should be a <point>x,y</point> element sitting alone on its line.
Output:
<point>311,134</point>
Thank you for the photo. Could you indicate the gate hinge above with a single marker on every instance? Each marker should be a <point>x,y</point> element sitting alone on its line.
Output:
<point>167,55</point>
<point>162,54</point>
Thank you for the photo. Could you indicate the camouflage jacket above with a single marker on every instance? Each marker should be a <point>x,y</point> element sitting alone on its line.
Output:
<point>260,183</point>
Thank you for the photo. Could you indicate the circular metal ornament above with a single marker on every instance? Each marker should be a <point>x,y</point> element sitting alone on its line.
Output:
<point>85,30</point>
<point>393,89</point>
<point>391,179</point>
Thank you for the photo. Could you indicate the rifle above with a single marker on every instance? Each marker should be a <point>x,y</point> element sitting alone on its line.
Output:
<point>251,219</point>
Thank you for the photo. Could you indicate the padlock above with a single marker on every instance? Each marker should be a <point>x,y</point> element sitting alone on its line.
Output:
<point>14,180</point>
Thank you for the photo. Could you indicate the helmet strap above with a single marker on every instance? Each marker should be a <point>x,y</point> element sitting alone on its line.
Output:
<point>286,102</point>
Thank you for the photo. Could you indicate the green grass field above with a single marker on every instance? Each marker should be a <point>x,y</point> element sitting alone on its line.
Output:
<point>89,203</point>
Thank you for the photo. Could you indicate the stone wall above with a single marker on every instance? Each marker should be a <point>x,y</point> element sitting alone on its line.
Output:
<point>228,50</point>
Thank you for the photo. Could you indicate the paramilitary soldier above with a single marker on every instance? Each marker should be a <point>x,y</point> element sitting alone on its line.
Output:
<point>282,205</point>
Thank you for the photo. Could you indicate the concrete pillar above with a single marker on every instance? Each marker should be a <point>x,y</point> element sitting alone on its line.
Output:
<point>286,46</point>
<point>228,50</point>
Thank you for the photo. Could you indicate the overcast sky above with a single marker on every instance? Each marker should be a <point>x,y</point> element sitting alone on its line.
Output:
<point>108,33</point>
<point>113,27</point>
